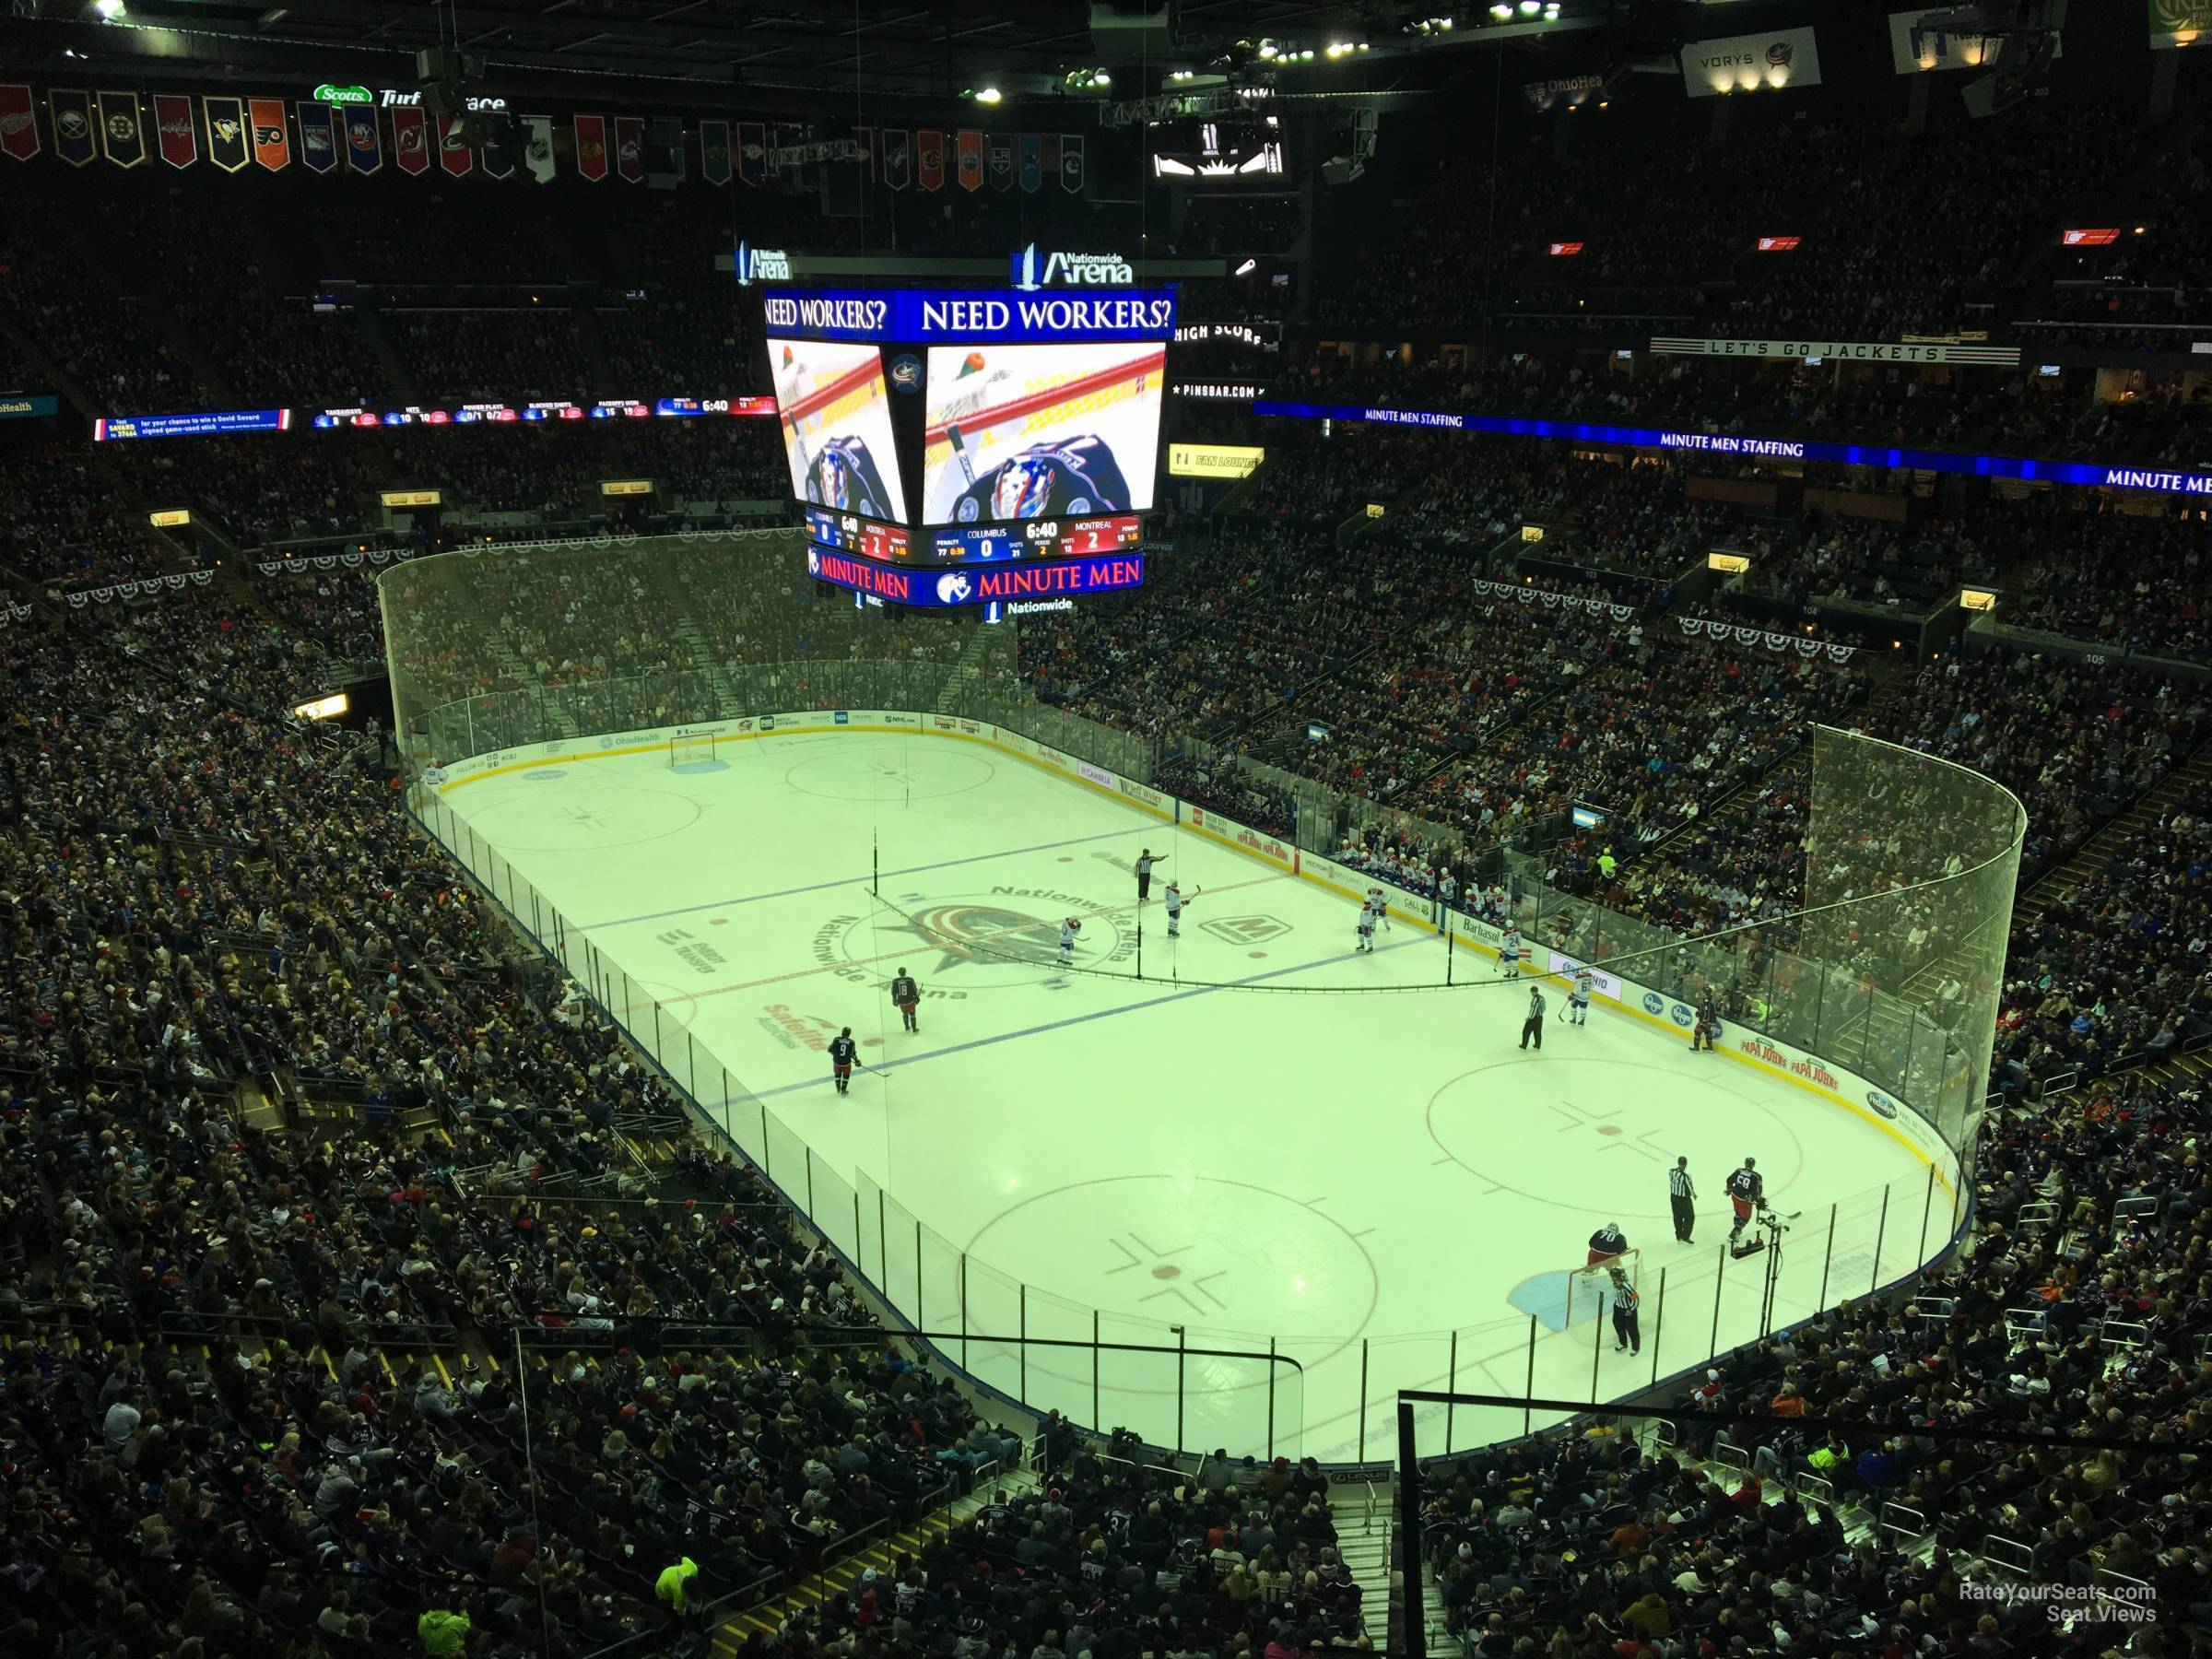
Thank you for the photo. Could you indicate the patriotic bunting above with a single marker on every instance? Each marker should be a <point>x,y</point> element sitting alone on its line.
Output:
<point>177,128</point>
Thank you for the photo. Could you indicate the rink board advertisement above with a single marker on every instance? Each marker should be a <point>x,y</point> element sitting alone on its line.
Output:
<point>1669,1014</point>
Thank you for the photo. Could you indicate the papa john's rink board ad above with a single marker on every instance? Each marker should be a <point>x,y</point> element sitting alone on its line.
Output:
<point>1817,1076</point>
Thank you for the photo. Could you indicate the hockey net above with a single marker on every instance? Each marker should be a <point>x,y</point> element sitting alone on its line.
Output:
<point>691,751</point>
<point>1001,412</point>
<point>1590,1288</point>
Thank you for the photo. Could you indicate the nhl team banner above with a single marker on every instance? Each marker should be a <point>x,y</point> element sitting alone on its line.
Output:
<point>18,122</point>
<point>930,163</point>
<point>454,156</point>
<point>898,157</point>
<point>1780,57</point>
<point>411,141</point>
<point>364,139</point>
<point>715,151</point>
<point>752,153</point>
<point>227,145</point>
<point>537,146</point>
<point>630,148</point>
<point>121,128</point>
<point>176,128</point>
<point>72,113</point>
<point>1071,163</point>
<point>1855,351</point>
<point>1000,149</point>
<point>1032,163</point>
<point>591,146</point>
<point>318,137</point>
<point>498,159</point>
<point>972,160</point>
<point>272,133</point>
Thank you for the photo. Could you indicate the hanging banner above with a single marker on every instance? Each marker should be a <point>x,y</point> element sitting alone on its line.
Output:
<point>591,146</point>
<point>866,138</point>
<point>176,128</point>
<point>364,139</point>
<point>498,159</point>
<point>454,157</point>
<point>411,140</point>
<point>972,160</point>
<point>929,161</point>
<point>537,146</point>
<point>121,131</point>
<point>999,146</point>
<point>318,137</point>
<point>1071,163</point>
<point>272,133</point>
<point>715,151</point>
<point>72,113</point>
<point>1031,149</point>
<point>227,145</point>
<point>752,153</point>
<point>18,122</point>
<point>1780,57</point>
<point>630,148</point>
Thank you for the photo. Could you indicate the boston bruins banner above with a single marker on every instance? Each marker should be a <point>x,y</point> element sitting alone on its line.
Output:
<point>121,129</point>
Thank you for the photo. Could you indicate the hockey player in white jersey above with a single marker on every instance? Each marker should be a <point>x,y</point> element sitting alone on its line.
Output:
<point>1366,926</point>
<point>1578,999</point>
<point>1176,902</point>
<point>1069,928</point>
<point>1509,954</point>
<point>1378,907</point>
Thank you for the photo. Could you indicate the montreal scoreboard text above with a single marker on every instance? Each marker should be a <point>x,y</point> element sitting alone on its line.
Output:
<point>984,543</point>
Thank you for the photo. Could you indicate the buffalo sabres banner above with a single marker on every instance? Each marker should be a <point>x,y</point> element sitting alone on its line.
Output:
<point>176,129</point>
<point>898,159</point>
<point>715,151</point>
<point>537,146</point>
<point>1000,149</point>
<point>453,155</point>
<point>121,132</point>
<point>591,146</point>
<point>972,160</point>
<point>227,145</point>
<point>929,159</point>
<point>318,140</point>
<point>272,134</point>
<point>1071,163</point>
<point>18,122</point>
<point>630,148</point>
<point>752,153</point>
<point>73,140</point>
<point>364,139</point>
<point>1031,149</point>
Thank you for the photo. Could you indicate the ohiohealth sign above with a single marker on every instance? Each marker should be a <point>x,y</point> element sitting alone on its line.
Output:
<point>919,316</point>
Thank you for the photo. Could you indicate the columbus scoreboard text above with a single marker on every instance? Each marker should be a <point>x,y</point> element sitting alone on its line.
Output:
<point>986,544</point>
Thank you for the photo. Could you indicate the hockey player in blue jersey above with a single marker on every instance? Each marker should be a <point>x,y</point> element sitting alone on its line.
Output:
<point>1047,480</point>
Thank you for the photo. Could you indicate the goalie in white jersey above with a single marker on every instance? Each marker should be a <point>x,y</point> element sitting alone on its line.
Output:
<point>1578,999</point>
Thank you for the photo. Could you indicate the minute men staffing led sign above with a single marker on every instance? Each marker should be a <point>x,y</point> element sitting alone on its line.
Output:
<point>977,584</point>
<point>920,316</point>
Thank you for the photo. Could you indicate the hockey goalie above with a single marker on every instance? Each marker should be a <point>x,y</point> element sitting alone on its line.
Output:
<point>1059,478</point>
<point>843,474</point>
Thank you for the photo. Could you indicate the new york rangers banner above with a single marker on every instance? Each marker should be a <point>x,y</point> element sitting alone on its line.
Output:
<point>591,146</point>
<point>1000,148</point>
<point>630,148</point>
<point>1071,163</point>
<point>972,160</point>
<point>176,128</point>
<point>227,145</point>
<point>1032,162</point>
<point>18,122</point>
<point>715,151</point>
<point>72,112</point>
<point>899,160</point>
<point>411,140</point>
<point>929,144</point>
<point>122,130</point>
<point>318,141</point>
<point>537,146</point>
<point>272,133</point>
<point>364,139</point>
<point>454,155</point>
<point>752,153</point>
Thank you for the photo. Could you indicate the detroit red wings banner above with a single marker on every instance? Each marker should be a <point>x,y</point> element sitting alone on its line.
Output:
<point>272,133</point>
<point>411,141</point>
<point>630,148</point>
<point>972,160</point>
<point>175,127</point>
<point>456,158</point>
<point>18,122</point>
<point>591,146</point>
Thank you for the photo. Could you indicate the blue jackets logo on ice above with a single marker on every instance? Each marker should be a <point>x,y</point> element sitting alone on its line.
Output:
<point>1653,1003</point>
<point>1883,1105</point>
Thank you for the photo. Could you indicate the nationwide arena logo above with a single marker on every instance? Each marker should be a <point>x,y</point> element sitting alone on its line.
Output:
<point>762,264</point>
<point>1073,270</point>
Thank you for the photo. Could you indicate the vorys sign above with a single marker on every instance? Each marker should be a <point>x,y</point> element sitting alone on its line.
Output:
<point>1069,270</point>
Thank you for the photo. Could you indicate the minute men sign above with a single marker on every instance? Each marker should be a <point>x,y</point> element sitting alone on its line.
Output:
<point>1856,351</point>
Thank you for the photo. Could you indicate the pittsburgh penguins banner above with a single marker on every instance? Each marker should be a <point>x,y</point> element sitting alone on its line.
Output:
<point>364,139</point>
<point>931,168</point>
<point>318,141</point>
<point>227,145</point>
<point>176,128</point>
<point>411,141</point>
<point>591,146</point>
<point>630,148</point>
<point>752,153</point>
<point>122,130</point>
<point>72,112</point>
<point>972,160</point>
<point>453,155</point>
<point>898,159</point>
<point>537,146</point>
<point>715,151</point>
<point>1031,149</point>
<point>1071,163</point>
<point>18,122</point>
<point>999,146</point>
<point>272,133</point>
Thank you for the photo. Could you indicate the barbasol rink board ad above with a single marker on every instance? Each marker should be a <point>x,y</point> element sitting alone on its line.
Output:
<point>834,410</point>
<point>1022,432</point>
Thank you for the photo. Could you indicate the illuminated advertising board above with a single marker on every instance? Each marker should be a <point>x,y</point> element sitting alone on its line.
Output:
<point>834,410</point>
<point>935,316</point>
<point>978,584</point>
<point>1020,433</point>
<point>201,423</point>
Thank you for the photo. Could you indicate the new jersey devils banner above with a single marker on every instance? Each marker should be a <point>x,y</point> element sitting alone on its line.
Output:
<point>411,141</point>
<point>1071,163</point>
<point>176,129</point>
<point>454,156</point>
<point>318,140</point>
<point>972,160</point>
<point>72,112</point>
<point>227,145</point>
<point>18,122</point>
<point>715,151</point>
<point>930,161</point>
<point>630,148</point>
<point>591,146</point>
<point>364,139</point>
<point>272,133</point>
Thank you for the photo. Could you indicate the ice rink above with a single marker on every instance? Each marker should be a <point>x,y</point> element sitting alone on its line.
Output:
<point>1385,1188</point>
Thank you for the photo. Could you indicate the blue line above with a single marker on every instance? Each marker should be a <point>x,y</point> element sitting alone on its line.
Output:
<point>1072,841</point>
<point>1055,1025</point>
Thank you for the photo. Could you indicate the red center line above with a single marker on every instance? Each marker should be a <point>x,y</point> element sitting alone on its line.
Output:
<point>777,979</point>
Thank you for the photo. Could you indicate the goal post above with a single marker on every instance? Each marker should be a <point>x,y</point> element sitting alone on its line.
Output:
<point>694,750</point>
<point>1590,1288</point>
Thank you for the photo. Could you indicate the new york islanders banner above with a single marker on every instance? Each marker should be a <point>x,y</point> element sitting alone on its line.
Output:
<point>121,131</point>
<point>930,165</point>
<point>899,160</point>
<point>454,155</point>
<point>72,113</point>
<point>591,146</point>
<point>411,140</point>
<point>227,145</point>
<point>630,148</point>
<point>1031,149</point>
<point>752,153</point>
<point>18,122</point>
<point>318,137</point>
<point>972,160</point>
<point>272,133</point>
<point>364,139</point>
<point>1071,163</point>
<point>715,151</point>
<point>176,128</point>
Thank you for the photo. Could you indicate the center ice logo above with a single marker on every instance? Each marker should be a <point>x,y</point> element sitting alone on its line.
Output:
<point>964,932</point>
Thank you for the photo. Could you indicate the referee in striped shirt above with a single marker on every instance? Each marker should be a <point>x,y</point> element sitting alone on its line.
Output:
<point>1682,1193</point>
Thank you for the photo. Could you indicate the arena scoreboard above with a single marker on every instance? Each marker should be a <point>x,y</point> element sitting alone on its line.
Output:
<point>992,544</point>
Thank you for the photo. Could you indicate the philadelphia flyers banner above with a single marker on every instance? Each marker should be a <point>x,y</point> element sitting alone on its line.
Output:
<point>227,145</point>
<point>454,155</point>
<point>18,122</point>
<point>272,133</point>
<point>411,141</point>
<point>591,146</point>
<point>972,160</point>
<point>930,158</point>
<point>177,128</point>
